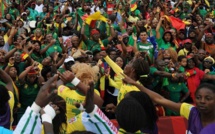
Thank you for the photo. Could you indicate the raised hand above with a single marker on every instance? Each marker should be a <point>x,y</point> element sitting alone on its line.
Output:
<point>45,94</point>
<point>67,76</point>
<point>89,101</point>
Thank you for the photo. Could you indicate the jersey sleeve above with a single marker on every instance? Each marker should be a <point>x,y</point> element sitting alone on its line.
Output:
<point>113,65</point>
<point>62,90</point>
<point>29,123</point>
<point>184,88</point>
<point>97,122</point>
<point>185,110</point>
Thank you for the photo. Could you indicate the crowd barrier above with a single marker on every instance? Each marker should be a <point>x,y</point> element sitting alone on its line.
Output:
<point>168,125</point>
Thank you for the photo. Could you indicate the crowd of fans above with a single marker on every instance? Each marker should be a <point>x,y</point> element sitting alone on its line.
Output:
<point>71,66</point>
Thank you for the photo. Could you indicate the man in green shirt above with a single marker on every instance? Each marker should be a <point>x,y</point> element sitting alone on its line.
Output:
<point>96,43</point>
<point>145,46</point>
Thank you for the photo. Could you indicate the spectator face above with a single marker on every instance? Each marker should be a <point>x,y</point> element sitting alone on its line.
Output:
<point>17,57</point>
<point>154,23</point>
<point>96,36</point>
<point>13,72</point>
<point>167,37</point>
<point>181,36</point>
<point>209,39</point>
<point>46,61</point>
<point>188,46</point>
<point>38,33</point>
<point>19,39</point>
<point>161,65</point>
<point>49,37</point>
<point>2,41</point>
<point>37,47</point>
<point>205,100</point>
<point>75,41</point>
<point>119,61</point>
<point>201,54</point>
<point>113,55</point>
<point>51,9</point>
<point>129,30</point>
<point>192,35</point>
<point>31,78</point>
<point>143,36</point>
<point>97,57</point>
<point>184,62</point>
<point>207,63</point>
<point>166,54</point>
<point>190,64</point>
<point>1,57</point>
<point>8,16</point>
<point>44,9</point>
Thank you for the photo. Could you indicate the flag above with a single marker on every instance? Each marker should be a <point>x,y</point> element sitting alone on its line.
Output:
<point>2,8</point>
<point>91,19</point>
<point>133,5</point>
<point>176,22</point>
<point>207,3</point>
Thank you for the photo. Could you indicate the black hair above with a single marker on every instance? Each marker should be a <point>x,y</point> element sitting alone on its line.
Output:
<point>207,86</point>
<point>171,39</point>
<point>141,68</point>
<point>4,95</point>
<point>130,115</point>
<point>69,64</point>
<point>82,132</point>
<point>181,57</point>
<point>112,17</point>
<point>45,71</point>
<point>148,106</point>
<point>61,117</point>
<point>37,41</point>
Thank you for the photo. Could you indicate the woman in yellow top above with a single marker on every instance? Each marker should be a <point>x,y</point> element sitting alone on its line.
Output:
<point>7,100</point>
<point>137,69</point>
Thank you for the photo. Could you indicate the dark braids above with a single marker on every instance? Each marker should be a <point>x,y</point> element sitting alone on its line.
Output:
<point>130,115</point>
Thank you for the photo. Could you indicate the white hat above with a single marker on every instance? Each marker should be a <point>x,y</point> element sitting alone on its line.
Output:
<point>32,24</point>
<point>70,58</point>
<point>24,13</point>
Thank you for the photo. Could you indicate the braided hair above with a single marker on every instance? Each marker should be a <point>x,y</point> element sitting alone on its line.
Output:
<point>130,115</point>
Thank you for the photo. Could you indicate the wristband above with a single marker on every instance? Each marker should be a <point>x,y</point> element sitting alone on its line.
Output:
<point>75,81</point>
<point>46,118</point>
<point>81,107</point>
<point>10,65</point>
<point>36,108</point>
<point>50,111</point>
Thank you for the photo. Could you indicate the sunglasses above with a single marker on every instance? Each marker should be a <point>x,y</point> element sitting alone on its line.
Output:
<point>207,61</point>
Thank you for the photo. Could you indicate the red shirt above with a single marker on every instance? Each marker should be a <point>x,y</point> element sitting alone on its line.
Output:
<point>194,81</point>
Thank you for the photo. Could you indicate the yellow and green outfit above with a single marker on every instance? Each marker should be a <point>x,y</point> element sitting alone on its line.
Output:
<point>28,93</point>
<point>147,47</point>
<point>175,89</point>
<point>125,88</point>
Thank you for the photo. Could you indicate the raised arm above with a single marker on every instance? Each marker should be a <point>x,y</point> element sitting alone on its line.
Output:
<point>158,36</point>
<point>84,37</point>
<point>7,80</point>
<point>112,33</point>
<point>154,96</point>
<point>111,63</point>
<point>68,77</point>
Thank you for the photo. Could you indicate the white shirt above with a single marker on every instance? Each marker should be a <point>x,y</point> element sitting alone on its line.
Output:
<point>39,9</point>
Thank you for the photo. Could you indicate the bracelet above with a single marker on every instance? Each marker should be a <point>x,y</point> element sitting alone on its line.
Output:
<point>75,81</point>
<point>36,108</point>
<point>50,111</point>
<point>187,74</point>
<point>46,118</point>
<point>174,75</point>
<point>10,65</point>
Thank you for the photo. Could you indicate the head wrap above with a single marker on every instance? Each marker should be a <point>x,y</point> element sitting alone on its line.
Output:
<point>94,31</point>
<point>209,58</point>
